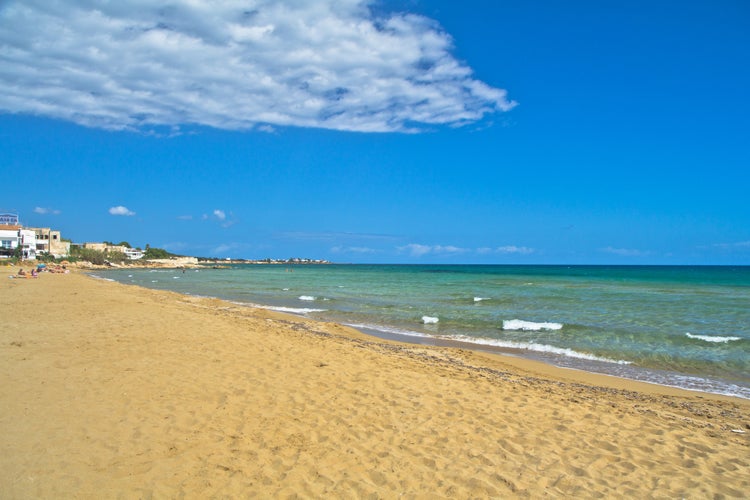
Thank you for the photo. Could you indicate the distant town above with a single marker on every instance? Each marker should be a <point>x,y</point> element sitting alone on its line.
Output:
<point>44,243</point>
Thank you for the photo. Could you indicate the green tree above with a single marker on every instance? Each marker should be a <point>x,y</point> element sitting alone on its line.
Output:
<point>156,253</point>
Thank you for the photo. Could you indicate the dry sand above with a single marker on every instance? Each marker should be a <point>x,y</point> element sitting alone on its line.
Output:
<point>109,390</point>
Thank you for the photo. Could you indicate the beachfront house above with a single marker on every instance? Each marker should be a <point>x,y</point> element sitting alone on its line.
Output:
<point>50,242</point>
<point>130,253</point>
<point>12,237</point>
<point>133,253</point>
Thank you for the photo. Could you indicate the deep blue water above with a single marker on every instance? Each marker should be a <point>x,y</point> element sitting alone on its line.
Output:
<point>682,326</point>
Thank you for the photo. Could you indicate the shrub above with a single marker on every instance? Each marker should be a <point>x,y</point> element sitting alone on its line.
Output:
<point>116,257</point>
<point>89,255</point>
<point>157,253</point>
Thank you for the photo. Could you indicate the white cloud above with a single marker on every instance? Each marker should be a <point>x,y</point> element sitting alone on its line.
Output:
<point>358,250</point>
<point>509,249</point>
<point>332,236</point>
<point>216,215</point>
<point>418,250</point>
<point>235,64</point>
<point>45,211</point>
<point>740,245</point>
<point>224,248</point>
<point>626,252</point>
<point>120,210</point>
<point>415,249</point>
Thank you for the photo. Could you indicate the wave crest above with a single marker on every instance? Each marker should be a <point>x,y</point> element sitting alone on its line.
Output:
<point>709,338</point>
<point>533,346</point>
<point>519,324</point>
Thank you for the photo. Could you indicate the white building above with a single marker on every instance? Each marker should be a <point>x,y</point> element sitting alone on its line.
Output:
<point>14,236</point>
<point>49,241</point>
<point>133,253</point>
<point>130,253</point>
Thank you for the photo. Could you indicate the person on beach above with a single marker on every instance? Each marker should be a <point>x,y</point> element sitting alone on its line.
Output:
<point>21,272</point>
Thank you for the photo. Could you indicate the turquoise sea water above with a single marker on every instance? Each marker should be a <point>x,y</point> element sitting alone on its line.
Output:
<point>681,326</point>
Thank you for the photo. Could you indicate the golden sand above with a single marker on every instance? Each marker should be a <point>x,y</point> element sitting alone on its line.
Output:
<point>109,390</point>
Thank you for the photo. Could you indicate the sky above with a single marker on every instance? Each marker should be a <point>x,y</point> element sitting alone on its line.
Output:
<point>413,131</point>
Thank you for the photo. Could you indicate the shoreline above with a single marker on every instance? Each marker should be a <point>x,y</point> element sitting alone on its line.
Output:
<point>515,357</point>
<point>109,389</point>
<point>561,363</point>
<point>581,361</point>
<point>508,354</point>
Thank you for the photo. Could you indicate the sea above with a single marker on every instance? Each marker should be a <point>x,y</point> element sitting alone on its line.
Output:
<point>679,326</point>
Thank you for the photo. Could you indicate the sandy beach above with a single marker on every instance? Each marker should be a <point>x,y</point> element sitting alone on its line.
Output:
<point>109,390</point>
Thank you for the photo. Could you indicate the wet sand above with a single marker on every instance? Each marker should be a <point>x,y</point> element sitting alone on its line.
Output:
<point>108,390</point>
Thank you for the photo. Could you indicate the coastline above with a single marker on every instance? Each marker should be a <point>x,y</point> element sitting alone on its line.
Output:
<point>111,389</point>
<point>615,343</point>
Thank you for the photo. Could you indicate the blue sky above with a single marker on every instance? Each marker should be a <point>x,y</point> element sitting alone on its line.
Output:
<point>401,131</point>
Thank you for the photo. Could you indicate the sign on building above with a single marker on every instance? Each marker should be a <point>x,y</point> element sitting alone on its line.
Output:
<point>9,219</point>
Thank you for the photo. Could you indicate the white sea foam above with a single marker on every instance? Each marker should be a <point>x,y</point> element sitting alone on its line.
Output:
<point>97,277</point>
<point>429,320</point>
<point>293,310</point>
<point>533,346</point>
<point>285,289</point>
<point>388,329</point>
<point>309,298</point>
<point>708,338</point>
<point>528,346</point>
<point>519,324</point>
<point>480,299</point>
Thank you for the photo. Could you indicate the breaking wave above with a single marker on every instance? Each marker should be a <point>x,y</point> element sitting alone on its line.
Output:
<point>709,338</point>
<point>292,310</point>
<point>518,324</point>
<point>533,346</point>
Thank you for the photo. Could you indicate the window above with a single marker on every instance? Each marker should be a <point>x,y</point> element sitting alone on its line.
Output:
<point>6,244</point>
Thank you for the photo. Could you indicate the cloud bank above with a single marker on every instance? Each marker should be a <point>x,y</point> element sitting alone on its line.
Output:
<point>234,64</point>
<point>419,250</point>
